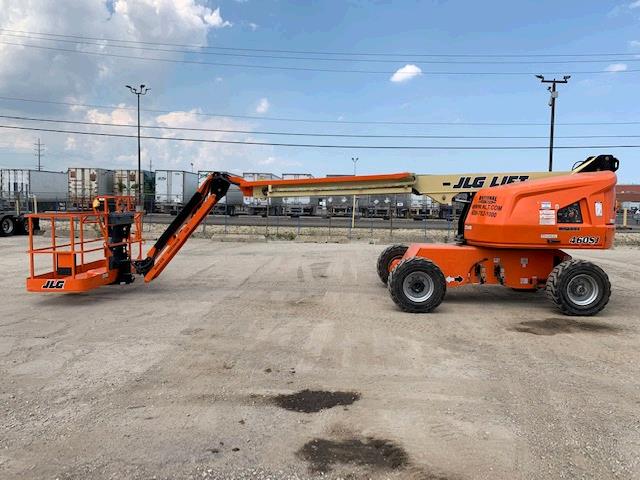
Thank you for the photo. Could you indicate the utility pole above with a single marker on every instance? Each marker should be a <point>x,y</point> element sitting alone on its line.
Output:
<point>552,104</point>
<point>137,92</point>
<point>39,150</point>
<point>353,208</point>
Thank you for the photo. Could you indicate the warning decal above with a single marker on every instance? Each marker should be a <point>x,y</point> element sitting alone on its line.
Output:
<point>547,217</point>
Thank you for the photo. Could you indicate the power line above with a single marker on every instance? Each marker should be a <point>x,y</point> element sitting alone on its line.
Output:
<point>317,52</point>
<point>325,59</point>
<point>303,69</point>
<point>307,145</point>
<point>302,134</point>
<point>307,120</point>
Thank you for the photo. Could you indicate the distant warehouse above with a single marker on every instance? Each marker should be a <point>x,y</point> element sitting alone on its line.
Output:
<point>628,196</point>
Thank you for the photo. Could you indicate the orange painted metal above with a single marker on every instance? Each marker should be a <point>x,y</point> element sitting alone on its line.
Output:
<point>468,264</point>
<point>247,186</point>
<point>513,233</point>
<point>526,215</point>
<point>173,245</point>
<point>70,271</point>
<point>176,242</point>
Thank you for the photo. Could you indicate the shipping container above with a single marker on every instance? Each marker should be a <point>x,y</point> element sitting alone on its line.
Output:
<point>49,189</point>
<point>87,183</point>
<point>174,188</point>
<point>231,204</point>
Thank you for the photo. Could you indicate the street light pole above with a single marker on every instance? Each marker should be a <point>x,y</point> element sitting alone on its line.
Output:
<point>552,104</point>
<point>353,208</point>
<point>137,92</point>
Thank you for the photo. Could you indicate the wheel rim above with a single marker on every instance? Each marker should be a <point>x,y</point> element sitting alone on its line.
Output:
<point>583,290</point>
<point>6,226</point>
<point>418,286</point>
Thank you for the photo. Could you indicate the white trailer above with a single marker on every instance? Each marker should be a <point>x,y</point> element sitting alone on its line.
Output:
<point>26,191</point>
<point>173,189</point>
<point>85,184</point>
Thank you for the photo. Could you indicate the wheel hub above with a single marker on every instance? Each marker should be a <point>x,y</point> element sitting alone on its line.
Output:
<point>418,286</point>
<point>583,290</point>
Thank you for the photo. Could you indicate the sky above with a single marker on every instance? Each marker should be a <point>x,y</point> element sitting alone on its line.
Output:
<point>66,60</point>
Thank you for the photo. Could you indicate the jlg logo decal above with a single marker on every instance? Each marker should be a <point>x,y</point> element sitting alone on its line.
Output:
<point>53,285</point>
<point>479,182</point>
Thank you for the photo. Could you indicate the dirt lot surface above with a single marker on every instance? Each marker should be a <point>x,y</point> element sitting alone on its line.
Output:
<point>289,360</point>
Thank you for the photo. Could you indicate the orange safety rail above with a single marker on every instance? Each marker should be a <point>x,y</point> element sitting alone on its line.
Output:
<point>74,267</point>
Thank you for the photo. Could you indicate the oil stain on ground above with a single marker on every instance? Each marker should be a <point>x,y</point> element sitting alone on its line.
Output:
<point>311,401</point>
<point>553,326</point>
<point>322,454</point>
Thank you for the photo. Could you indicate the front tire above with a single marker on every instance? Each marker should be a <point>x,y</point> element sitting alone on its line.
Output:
<point>417,285</point>
<point>388,255</point>
<point>578,287</point>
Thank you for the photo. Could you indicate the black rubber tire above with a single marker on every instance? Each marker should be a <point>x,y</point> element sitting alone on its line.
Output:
<point>7,226</point>
<point>23,227</point>
<point>388,255</point>
<point>558,282</point>
<point>412,265</point>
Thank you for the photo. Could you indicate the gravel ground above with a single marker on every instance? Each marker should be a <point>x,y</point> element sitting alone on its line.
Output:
<point>289,360</point>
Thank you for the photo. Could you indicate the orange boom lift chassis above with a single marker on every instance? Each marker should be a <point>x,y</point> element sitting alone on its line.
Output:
<point>509,235</point>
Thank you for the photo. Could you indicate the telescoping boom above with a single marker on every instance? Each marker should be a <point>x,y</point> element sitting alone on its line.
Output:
<point>563,209</point>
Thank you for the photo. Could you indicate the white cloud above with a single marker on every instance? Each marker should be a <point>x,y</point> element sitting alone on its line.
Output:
<point>634,43</point>
<point>635,4</point>
<point>277,163</point>
<point>406,73</point>
<point>267,161</point>
<point>118,115</point>
<point>70,143</point>
<point>263,106</point>
<point>70,74</point>
<point>617,67</point>
<point>253,26</point>
<point>75,78</point>
<point>214,19</point>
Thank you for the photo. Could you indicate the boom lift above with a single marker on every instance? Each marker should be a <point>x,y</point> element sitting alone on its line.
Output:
<point>510,233</point>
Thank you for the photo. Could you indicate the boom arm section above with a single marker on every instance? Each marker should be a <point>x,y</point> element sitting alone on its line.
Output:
<point>212,190</point>
<point>442,188</point>
<point>215,187</point>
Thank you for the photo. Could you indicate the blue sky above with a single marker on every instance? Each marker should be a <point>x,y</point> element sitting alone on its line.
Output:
<point>404,27</point>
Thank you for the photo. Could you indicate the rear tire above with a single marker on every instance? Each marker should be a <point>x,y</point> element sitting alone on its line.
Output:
<point>417,285</point>
<point>23,227</point>
<point>7,226</point>
<point>578,287</point>
<point>388,255</point>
